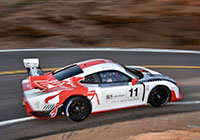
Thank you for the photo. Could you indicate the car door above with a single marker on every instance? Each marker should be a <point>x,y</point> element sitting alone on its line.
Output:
<point>135,94</point>
<point>114,86</point>
<point>114,90</point>
<point>118,90</point>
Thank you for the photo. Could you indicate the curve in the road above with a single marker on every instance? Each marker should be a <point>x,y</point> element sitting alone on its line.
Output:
<point>183,66</point>
<point>13,121</point>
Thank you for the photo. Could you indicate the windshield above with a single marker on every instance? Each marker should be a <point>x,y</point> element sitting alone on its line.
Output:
<point>67,72</point>
<point>134,72</point>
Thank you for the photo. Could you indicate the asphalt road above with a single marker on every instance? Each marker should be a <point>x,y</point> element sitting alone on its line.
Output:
<point>11,90</point>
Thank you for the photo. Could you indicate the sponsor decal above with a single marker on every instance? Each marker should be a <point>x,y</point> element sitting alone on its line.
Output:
<point>72,86</point>
<point>111,96</point>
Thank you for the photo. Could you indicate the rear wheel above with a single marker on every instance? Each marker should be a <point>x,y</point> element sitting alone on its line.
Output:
<point>77,108</point>
<point>159,96</point>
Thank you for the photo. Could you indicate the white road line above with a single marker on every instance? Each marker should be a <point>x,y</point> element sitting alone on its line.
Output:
<point>13,121</point>
<point>104,49</point>
<point>184,103</point>
<point>8,122</point>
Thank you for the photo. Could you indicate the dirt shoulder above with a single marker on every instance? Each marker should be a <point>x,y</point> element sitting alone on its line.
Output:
<point>168,127</point>
<point>189,134</point>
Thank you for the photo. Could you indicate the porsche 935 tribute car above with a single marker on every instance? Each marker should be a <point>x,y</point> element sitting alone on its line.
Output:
<point>93,86</point>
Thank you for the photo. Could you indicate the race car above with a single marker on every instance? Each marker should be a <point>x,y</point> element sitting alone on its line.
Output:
<point>93,86</point>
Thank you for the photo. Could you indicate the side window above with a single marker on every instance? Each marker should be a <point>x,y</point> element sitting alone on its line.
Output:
<point>113,77</point>
<point>67,72</point>
<point>91,79</point>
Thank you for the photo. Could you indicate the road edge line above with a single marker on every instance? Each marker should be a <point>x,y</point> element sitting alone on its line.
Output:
<point>8,122</point>
<point>104,49</point>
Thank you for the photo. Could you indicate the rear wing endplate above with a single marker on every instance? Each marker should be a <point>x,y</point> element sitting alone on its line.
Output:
<point>33,66</point>
<point>31,62</point>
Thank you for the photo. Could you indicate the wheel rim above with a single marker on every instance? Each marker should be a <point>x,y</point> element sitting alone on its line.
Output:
<point>77,110</point>
<point>160,96</point>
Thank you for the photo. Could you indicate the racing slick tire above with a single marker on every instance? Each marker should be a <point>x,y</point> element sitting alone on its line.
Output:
<point>77,108</point>
<point>159,96</point>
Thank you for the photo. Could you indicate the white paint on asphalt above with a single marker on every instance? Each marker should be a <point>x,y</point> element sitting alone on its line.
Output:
<point>13,121</point>
<point>8,122</point>
<point>184,103</point>
<point>104,49</point>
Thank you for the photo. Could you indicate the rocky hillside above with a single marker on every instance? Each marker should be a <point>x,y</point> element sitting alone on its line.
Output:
<point>100,23</point>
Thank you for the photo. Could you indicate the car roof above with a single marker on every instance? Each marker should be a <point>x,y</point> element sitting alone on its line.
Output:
<point>96,65</point>
<point>92,62</point>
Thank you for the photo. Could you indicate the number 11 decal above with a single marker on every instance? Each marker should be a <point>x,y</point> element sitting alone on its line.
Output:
<point>135,91</point>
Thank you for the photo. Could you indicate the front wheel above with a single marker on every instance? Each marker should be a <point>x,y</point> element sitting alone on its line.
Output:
<point>159,96</point>
<point>77,108</point>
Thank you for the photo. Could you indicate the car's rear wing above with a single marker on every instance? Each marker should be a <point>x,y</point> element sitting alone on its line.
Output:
<point>33,66</point>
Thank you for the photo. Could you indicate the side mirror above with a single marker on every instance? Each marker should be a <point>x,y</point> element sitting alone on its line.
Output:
<point>134,81</point>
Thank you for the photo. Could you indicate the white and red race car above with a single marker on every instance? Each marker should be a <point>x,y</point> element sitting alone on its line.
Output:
<point>93,86</point>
